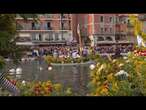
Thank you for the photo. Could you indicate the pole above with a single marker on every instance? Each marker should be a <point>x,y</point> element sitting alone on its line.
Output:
<point>80,45</point>
<point>62,28</point>
<point>80,40</point>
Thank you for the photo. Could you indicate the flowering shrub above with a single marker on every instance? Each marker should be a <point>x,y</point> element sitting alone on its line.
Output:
<point>42,89</point>
<point>119,77</point>
<point>2,63</point>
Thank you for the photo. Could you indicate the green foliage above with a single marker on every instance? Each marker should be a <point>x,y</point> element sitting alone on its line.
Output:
<point>8,46</point>
<point>2,63</point>
<point>7,23</point>
<point>103,81</point>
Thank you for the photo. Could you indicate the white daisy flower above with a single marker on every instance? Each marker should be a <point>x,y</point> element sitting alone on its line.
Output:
<point>121,72</point>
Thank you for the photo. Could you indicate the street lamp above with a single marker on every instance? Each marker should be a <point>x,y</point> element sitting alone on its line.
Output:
<point>19,71</point>
<point>24,82</point>
<point>92,66</point>
<point>11,71</point>
<point>40,68</point>
<point>50,67</point>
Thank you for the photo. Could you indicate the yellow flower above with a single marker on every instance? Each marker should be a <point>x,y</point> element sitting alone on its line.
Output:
<point>110,77</point>
<point>109,58</point>
<point>97,78</point>
<point>57,87</point>
<point>98,83</point>
<point>127,61</point>
<point>121,64</point>
<point>93,75</point>
<point>48,83</point>
<point>104,91</point>
<point>97,94</point>
<point>94,81</point>
<point>114,61</point>
<point>103,66</point>
<point>97,72</point>
<point>115,86</point>
<point>97,64</point>
<point>68,91</point>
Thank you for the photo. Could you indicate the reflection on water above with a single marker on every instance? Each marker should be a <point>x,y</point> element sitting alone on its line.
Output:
<point>69,76</point>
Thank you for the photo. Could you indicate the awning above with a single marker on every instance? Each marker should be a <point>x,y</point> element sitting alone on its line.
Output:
<point>25,43</point>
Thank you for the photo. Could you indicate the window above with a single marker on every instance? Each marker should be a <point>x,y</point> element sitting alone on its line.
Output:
<point>109,38</point>
<point>62,26</point>
<point>38,26</point>
<point>101,19</point>
<point>117,20</point>
<point>100,39</point>
<point>50,37</point>
<point>33,26</point>
<point>47,38</point>
<point>56,36</point>
<point>105,29</point>
<point>69,25</point>
<point>36,37</point>
<point>101,30</point>
<point>117,37</point>
<point>110,29</point>
<point>49,26</point>
<point>39,37</point>
<point>110,19</point>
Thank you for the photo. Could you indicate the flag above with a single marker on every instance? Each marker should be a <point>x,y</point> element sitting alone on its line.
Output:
<point>78,30</point>
<point>92,40</point>
<point>80,41</point>
<point>140,41</point>
<point>6,84</point>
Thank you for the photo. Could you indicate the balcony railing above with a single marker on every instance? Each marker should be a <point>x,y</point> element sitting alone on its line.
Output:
<point>48,36</point>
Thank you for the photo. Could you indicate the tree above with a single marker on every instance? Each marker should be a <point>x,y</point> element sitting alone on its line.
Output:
<point>8,47</point>
<point>7,33</point>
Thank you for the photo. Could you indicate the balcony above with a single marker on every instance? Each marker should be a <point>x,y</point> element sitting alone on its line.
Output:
<point>104,40</point>
<point>47,36</point>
